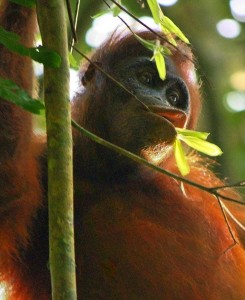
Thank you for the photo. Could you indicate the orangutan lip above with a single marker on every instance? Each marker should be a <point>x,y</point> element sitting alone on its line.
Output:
<point>176,117</point>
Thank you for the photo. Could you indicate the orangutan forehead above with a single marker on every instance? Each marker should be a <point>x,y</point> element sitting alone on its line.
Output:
<point>139,61</point>
<point>117,48</point>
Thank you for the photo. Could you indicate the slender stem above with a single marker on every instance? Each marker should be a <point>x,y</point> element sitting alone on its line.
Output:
<point>76,13</point>
<point>141,160</point>
<point>227,222</point>
<point>161,37</point>
<point>73,29</point>
<point>140,22</point>
<point>213,190</point>
<point>240,184</point>
<point>75,23</point>
<point>233,217</point>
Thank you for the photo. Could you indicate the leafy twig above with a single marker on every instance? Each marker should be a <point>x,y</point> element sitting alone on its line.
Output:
<point>143,161</point>
<point>75,21</point>
<point>140,22</point>
<point>158,35</point>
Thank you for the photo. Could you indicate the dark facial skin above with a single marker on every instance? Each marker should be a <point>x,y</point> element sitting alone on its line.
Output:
<point>138,126</point>
<point>144,124</point>
<point>141,76</point>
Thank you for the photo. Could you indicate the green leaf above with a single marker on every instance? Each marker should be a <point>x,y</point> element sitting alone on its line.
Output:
<point>11,92</point>
<point>150,45</point>
<point>167,26</point>
<point>11,41</point>
<point>180,158</point>
<point>116,11</point>
<point>155,10</point>
<point>7,36</point>
<point>160,63</point>
<point>158,52</point>
<point>101,13</point>
<point>41,54</point>
<point>168,35</point>
<point>72,61</point>
<point>165,51</point>
<point>200,145</point>
<point>45,56</point>
<point>26,3</point>
<point>196,140</point>
<point>165,22</point>
<point>197,134</point>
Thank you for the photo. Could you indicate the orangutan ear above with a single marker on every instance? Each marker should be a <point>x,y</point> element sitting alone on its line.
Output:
<point>89,73</point>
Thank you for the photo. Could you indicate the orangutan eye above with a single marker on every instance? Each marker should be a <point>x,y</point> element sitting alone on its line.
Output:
<point>146,78</point>
<point>173,97</point>
<point>177,95</point>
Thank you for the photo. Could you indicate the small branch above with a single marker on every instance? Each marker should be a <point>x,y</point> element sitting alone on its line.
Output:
<point>141,160</point>
<point>73,28</point>
<point>233,217</point>
<point>213,190</point>
<point>146,26</point>
<point>227,222</point>
<point>110,77</point>
<point>140,22</point>
<point>75,22</point>
<point>240,184</point>
<point>217,194</point>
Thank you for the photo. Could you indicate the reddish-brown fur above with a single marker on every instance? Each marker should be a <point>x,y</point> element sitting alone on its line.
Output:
<point>139,234</point>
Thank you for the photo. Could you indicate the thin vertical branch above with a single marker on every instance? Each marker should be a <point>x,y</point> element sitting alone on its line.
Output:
<point>52,22</point>
<point>72,24</point>
<point>75,23</point>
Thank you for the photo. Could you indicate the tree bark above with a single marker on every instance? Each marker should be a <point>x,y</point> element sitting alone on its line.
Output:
<point>52,22</point>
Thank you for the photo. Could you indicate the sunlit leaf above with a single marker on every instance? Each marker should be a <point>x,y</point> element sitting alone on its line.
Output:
<point>26,3</point>
<point>150,45</point>
<point>160,63</point>
<point>11,92</point>
<point>195,140</point>
<point>166,25</point>
<point>158,54</point>
<point>155,10</point>
<point>172,28</point>
<point>169,36</point>
<point>72,61</point>
<point>116,11</point>
<point>197,134</point>
<point>201,145</point>
<point>165,51</point>
<point>180,158</point>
